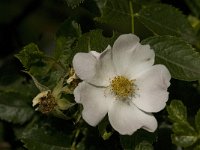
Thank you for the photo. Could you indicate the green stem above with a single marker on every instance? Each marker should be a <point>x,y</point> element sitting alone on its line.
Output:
<point>73,147</point>
<point>132,16</point>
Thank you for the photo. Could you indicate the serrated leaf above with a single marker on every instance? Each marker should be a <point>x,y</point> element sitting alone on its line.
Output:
<point>94,40</point>
<point>118,14</point>
<point>177,111</point>
<point>14,107</point>
<point>184,140</point>
<point>130,142</point>
<point>67,34</point>
<point>63,50</point>
<point>164,19</point>
<point>179,57</point>
<point>29,55</point>
<point>74,3</point>
<point>42,138</point>
<point>144,145</point>
<point>197,121</point>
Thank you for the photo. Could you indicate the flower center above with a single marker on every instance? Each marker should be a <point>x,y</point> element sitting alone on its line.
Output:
<point>122,87</point>
<point>47,103</point>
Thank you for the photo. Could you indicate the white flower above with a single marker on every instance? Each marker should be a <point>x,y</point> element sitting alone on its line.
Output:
<point>123,83</point>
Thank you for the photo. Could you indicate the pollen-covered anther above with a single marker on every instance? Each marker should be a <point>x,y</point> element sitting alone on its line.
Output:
<point>122,87</point>
<point>47,103</point>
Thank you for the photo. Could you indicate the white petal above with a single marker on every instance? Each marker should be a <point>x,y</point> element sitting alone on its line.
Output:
<point>152,87</point>
<point>95,102</point>
<point>95,68</point>
<point>142,58</point>
<point>77,91</point>
<point>104,69</point>
<point>122,51</point>
<point>84,65</point>
<point>127,118</point>
<point>95,54</point>
<point>130,57</point>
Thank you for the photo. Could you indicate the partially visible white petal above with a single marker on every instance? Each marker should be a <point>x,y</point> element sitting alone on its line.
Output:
<point>77,91</point>
<point>36,100</point>
<point>122,51</point>
<point>152,87</point>
<point>95,54</point>
<point>127,118</point>
<point>95,68</point>
<point>84,65</point>
<point>95,102</point>
<point>105,70</point>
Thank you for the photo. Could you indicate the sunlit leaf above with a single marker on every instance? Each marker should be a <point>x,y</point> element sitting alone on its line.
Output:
<point>184,140</point>
<point>177,111</point>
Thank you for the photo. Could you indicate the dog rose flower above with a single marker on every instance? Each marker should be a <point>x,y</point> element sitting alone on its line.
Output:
<point>123,83</point>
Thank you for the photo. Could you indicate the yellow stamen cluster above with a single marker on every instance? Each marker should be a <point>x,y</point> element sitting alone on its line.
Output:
<point>47,103</point>
<point>122,87</point>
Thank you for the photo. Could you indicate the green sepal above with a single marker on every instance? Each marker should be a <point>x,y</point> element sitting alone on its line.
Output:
<point>103,129</point>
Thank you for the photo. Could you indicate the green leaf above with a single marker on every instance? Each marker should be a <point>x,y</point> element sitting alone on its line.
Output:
<point>119,15</point>
<point>184,134</point>
<point>131,142</point>
<point>144,145</point>
<point>29,55</point>
<point>164,19</point>
<point>63,50</point>
<point>37,83</point>
<point>74,3</point>
<point>67,35</point>
<point>14,107</point>
<point>177,111</point>
<point>44,138</point>
<point>184,140</point>
<point>183,128</point>
<point>94,40</point>
<point>179,57</point>
<point>197,121</point>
